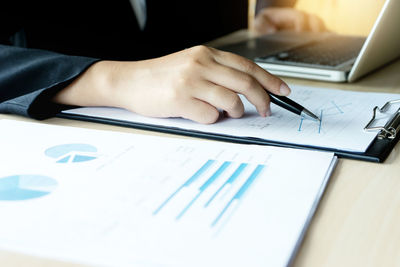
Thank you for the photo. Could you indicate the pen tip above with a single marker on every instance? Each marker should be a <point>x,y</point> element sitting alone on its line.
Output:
<point>309,114</point>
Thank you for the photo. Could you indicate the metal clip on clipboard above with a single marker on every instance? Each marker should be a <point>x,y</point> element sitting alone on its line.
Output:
<point>392,126</point>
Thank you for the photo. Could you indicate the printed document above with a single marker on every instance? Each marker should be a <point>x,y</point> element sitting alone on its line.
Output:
<point>103,198</point>
<point>343,114</point>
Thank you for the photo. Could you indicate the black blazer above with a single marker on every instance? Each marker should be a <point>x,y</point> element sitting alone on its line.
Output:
<point>44,46</point>
<point>109,30</point>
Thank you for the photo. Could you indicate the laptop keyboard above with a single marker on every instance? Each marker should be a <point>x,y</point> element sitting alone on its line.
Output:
<point>331,51</point>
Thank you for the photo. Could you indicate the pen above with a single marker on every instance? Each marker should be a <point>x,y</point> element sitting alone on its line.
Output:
<point>292,106</point>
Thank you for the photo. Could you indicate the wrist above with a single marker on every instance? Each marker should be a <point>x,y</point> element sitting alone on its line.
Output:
<point>94,87</point>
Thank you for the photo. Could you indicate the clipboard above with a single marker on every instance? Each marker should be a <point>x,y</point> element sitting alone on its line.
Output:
<point>380,148</point>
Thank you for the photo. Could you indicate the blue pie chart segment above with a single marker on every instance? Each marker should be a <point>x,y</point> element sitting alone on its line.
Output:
<point>72,153</point>
<point>23,187</point>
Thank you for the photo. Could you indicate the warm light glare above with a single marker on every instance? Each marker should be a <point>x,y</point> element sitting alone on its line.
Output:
<point>354,17</point>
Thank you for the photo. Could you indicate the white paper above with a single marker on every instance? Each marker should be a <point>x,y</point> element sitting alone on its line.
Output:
<point>343,114</point>
<point>116,199</point>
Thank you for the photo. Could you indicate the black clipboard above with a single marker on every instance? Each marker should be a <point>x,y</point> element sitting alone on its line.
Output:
<point>380,148</point>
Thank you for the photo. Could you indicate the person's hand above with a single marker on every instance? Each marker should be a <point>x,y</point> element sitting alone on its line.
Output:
<point>193,84</point>
<point>273,19</point>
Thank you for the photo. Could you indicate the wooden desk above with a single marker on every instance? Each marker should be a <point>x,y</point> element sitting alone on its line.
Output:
<point>357,222</point>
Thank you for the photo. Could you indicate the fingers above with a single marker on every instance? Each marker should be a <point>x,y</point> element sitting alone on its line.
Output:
<point>300,21</point>
<point>288,19</point>
<point>316,24</point>
<point>307,22</point>
<point>244,76</point>
<point>251,74</point>
<point>222,98</point>
<point>284,18</point>
<point>196,83</point>
<point>240,82</point>
<point>263,25</point>
<point>198,111</point>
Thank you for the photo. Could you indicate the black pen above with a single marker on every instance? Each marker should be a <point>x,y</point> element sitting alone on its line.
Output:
<point>292,106</point>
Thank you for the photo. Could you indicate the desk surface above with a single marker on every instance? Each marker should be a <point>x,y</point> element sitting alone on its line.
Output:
<point>358,220</point>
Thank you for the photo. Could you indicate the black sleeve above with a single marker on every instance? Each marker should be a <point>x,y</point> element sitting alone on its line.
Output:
<point>29,78</point>
<point>267,3</point>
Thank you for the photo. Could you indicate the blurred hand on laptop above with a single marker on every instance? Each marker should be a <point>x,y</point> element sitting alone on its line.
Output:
<point>272,19</point>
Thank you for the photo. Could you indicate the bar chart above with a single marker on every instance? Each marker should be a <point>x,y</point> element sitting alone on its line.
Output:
<point>328,110</point>
<point>225,182</point>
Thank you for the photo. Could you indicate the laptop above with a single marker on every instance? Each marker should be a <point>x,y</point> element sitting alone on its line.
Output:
<point>326,56</point>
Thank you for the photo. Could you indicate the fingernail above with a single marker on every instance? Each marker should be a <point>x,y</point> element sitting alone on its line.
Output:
<point>284,89</point>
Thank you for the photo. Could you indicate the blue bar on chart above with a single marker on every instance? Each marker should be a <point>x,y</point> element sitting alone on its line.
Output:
<point>230,181</point>
<point>337,107</point>
<point>193,178</point>
<point>320,122</point>
<point>301,123</point>
<point>239,194</point>
<point>211,180</point>
<point>204,186</point>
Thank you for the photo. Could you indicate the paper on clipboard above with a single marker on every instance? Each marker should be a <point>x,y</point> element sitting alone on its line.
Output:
<point>343,114</point>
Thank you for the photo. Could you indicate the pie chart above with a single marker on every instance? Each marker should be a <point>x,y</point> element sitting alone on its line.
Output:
<point>72,153</point>
<point>23,187</point>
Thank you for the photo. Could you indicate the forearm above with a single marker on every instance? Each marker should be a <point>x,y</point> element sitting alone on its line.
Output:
<point>28,78</point>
